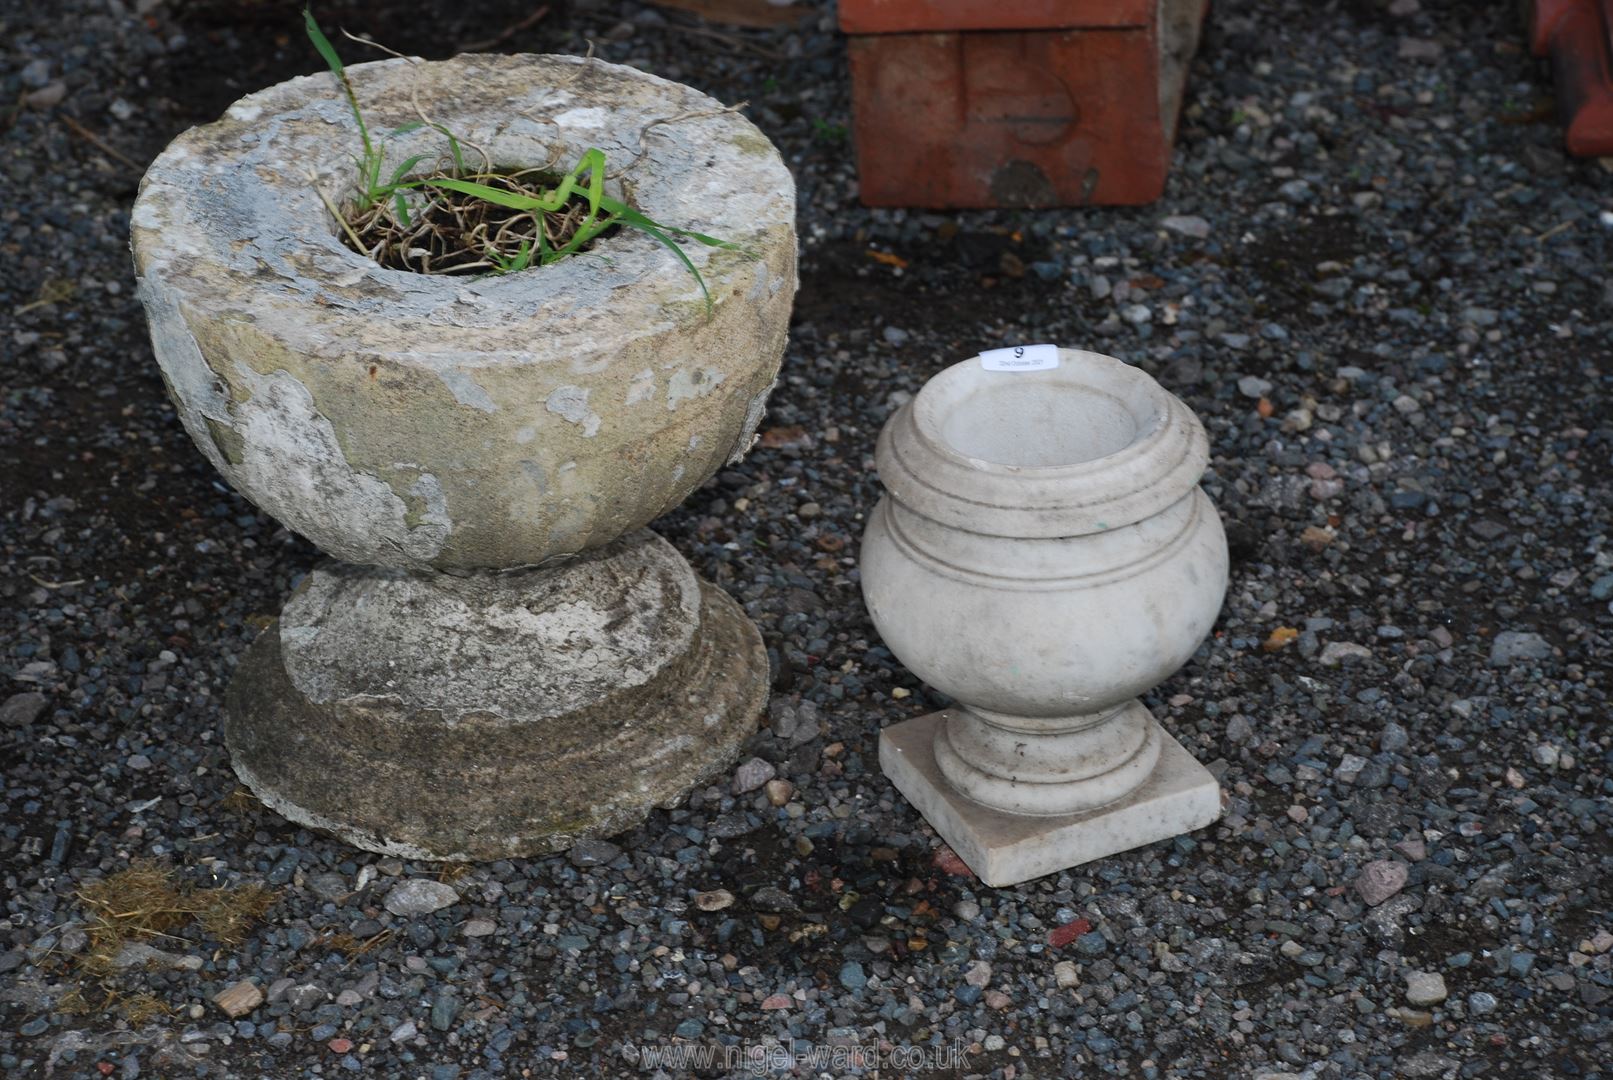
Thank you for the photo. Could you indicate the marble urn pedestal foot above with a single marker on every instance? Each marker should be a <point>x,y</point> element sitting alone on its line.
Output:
<point>500,659</point>
<point>1043,555</point>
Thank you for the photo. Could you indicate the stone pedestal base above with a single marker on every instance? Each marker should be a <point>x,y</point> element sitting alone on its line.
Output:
<point>491,716</point>
<point>1178,796</point>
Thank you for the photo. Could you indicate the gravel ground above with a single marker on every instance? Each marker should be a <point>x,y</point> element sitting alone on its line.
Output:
<point>1378,281</point>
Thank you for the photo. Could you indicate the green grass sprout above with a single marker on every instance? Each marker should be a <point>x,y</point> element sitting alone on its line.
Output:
<point>442,217</point>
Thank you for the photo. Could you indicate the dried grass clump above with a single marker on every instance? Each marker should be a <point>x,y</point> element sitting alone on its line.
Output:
<point>148,900</point>
<point>140,903</point>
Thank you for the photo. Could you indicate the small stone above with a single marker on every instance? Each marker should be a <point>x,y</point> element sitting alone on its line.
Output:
<point>1413,848</point>
<point>1065,975</point>
<point>1480,1003</point>
<point>1600,943</point>
<point>1393,738</point>
<point>328,886</point>
<point>20,710</point>
<point>444,1011</point>
<point>752,775</point>
<point>479,928</point>
<point>238,1000</point>
<point>967,910</point>
<point>1187,225</point>
<point>1280,638</point>
<point>1420,49</point>
<point>1335,653</point>
<point>1315,538</point>
<point>419,896</point>
<point>1546,754</point>
<point>852,976</point>
<point>1380,880</point>
<point>776,1001</point>
<point>773,900</point>
<point>46,97</point>
<point>1511,646</point>
<point>586,853</point>
<point>996,999</point>
<point>779,792</point>
<point>305,997</point>
<point>715,900</point>
<point>1425,988</point>
<point>1252,386</point>
<point>979,974</point>
<point>404,1031</point>
<point>340,1046</point>
<point>1349,768</point>
<point>349,998</point>
<point>947,861</point>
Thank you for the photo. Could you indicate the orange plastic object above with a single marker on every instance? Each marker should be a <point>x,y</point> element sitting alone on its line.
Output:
<point>1578,36</point>
<point>1065,103</point>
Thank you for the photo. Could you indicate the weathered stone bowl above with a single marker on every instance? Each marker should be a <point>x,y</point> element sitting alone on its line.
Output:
<point>501,661</point>
<point>411,420</point>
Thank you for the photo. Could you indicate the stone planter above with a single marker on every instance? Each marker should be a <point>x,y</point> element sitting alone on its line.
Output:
<point>502,661</point>
<point>1044,555</point>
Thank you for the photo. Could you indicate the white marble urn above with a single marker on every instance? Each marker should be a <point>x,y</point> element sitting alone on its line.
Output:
<point>501,660</point>
<point>1043,556</point>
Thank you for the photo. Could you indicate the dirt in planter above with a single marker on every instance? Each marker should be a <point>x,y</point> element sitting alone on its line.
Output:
<point>447,232</point>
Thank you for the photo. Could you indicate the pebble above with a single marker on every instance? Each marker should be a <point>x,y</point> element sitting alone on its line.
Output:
<point>1380,880</point>
<point>586,853</point>
<point>419,896</point>
<point>715,900</point>
<point>752,775</point>
<point>1425,988</point>
<point>238,999</point>
<point>1512,646</point>
<point>475,928</point>
<point>1251,386</point>
<point>779,792</point>
<point>23,709</point>
<point>1187,224</point>
<point>1065,974</point>
<point>1335,653</point>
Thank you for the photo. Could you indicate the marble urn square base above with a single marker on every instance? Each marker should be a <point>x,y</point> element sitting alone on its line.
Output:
<point>1178,796</point>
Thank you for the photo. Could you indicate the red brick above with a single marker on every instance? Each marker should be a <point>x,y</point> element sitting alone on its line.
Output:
<point>909,16</point>
<point>1061,115</point>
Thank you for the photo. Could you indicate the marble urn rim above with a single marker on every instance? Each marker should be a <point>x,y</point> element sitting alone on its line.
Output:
<point>1089,446</point>
<point>458,423</point>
